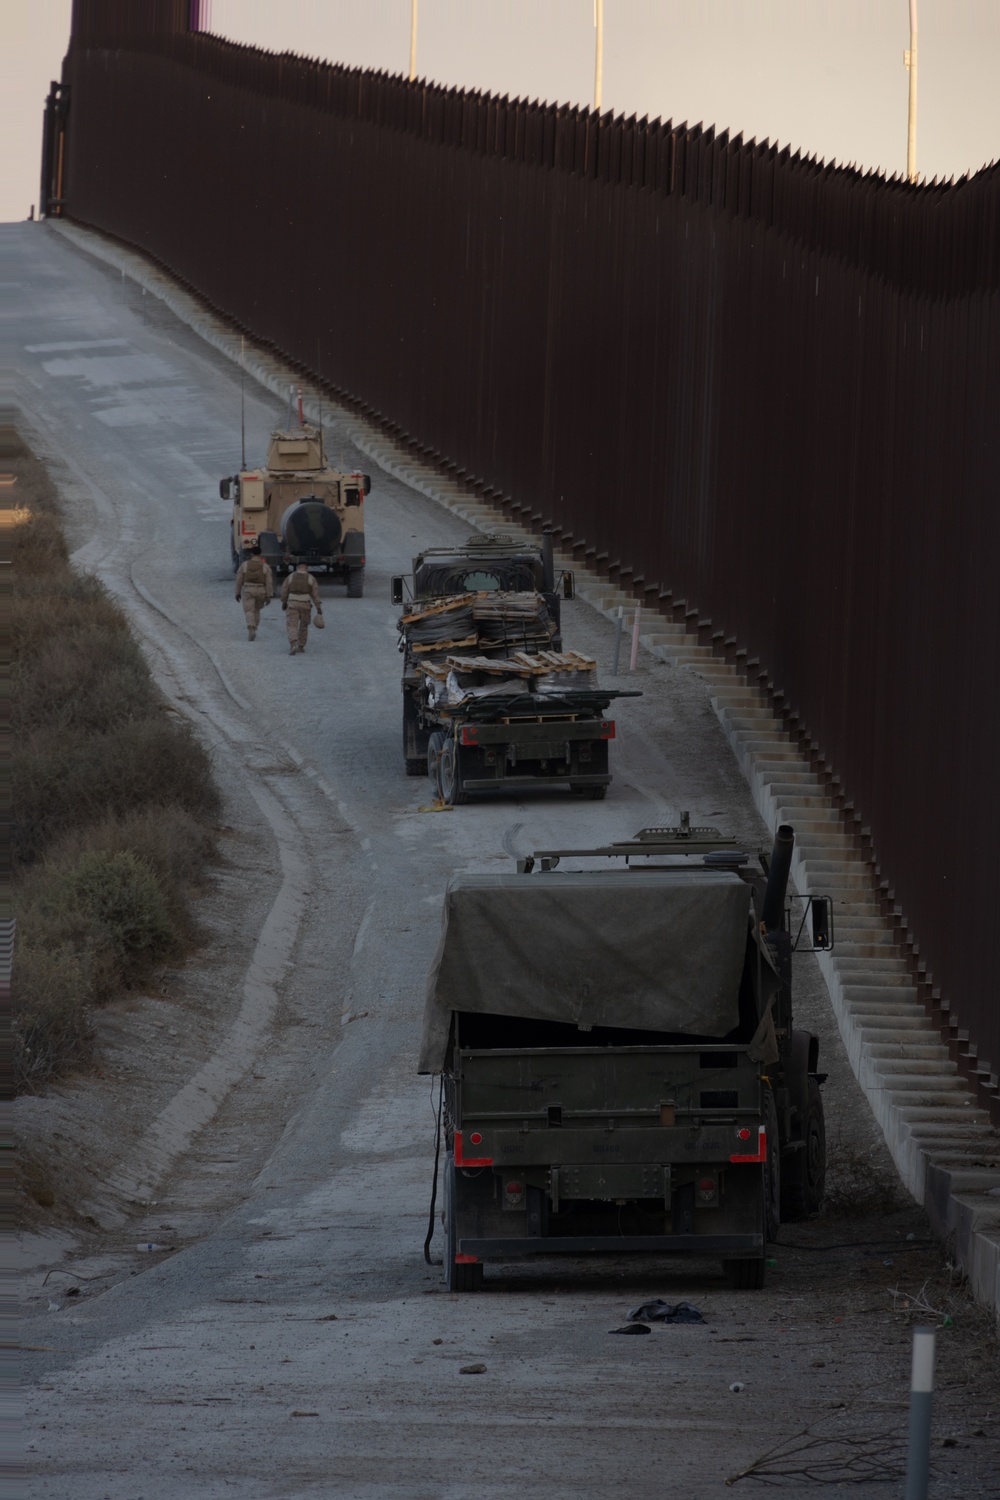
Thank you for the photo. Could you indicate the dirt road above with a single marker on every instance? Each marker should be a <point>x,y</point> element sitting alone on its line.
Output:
<point>290,1341</point>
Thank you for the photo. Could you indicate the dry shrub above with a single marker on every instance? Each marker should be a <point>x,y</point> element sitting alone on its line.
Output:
<point>68,604</point>
<point>65,783</point>
<point>110,903</point>
<point>857,1186</point>
<point>112,796</point>
<point>83,682</point>
<point>50,1029</point>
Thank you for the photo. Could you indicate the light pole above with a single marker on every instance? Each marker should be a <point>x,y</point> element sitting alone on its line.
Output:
<point>413,39</point>
<point>910,59</point>
<point>598,52</point>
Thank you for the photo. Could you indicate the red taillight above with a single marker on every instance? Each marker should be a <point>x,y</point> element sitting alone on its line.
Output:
<point>743,1133</point>
<point>607,729</point>
<point>476,1138</point>
<point>761,1155</point>
<point>461,1160</point>
<point>470,734</point>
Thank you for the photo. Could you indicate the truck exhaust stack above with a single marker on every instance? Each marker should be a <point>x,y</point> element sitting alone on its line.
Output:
<point>777,878</point>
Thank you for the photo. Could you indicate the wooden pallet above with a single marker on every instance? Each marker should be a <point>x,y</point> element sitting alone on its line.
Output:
<point>453,601</point>
<point>524,663</point>
<point>494,666</point>
<point>468,640</point>
<point>542,662</point>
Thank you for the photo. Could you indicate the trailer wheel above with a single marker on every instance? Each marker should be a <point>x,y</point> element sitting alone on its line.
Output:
<point>772,1169</point>
<point>233,552</point>
<point>461,1276</point>
<point>416,765</point>
<point>356,583</point>
<point>589,793</point>
<point>804,1195</point>
<point>450,774</point>
<point>745,1275</point>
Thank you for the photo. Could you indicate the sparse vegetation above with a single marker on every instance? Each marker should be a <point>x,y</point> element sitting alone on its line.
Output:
<point>857,1187</point>
<point>113,796</point>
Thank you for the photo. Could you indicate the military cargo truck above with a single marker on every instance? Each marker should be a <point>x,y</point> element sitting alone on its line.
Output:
<point>300,510</point>
<point>620,1067</point>
<point>491,701</point>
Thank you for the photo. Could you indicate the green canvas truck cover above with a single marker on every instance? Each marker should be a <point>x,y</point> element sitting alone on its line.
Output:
<point>655,950</point>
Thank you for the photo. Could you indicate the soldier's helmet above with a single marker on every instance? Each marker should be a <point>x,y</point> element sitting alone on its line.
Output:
<point>255,549</point>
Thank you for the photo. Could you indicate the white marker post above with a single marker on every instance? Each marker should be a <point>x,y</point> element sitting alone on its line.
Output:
<point>633,659</point>
<point>413,39</point>
<point>918,1457</point>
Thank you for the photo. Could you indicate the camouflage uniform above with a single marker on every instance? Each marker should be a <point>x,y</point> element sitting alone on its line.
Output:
<point>255,586</point>
<point>299,593</point>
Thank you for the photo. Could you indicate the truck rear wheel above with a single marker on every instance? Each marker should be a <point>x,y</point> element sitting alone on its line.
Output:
<point>772,1169</point>
<point>461,1276</point>
<point>803,1196</point>
<point>433,763</point>
<point>450,775</point>
<point>356,583</point>
<point>415,762</point>
<point>745,1275</point>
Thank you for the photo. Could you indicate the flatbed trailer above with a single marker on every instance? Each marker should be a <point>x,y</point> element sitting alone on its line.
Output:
<point>516,741</point>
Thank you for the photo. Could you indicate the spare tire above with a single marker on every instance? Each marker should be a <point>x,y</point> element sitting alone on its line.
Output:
<point>309,526</point>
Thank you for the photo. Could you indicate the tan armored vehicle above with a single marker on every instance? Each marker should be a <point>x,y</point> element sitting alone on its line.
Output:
<point>299,510</point>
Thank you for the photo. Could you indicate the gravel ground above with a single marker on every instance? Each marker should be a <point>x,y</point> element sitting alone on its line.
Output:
<point>285,1343</point>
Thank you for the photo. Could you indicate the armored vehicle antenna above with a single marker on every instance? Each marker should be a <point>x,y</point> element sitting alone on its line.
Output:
<point>243,423</point>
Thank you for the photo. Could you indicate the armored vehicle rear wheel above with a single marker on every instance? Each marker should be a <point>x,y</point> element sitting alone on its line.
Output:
<point>356,583</point>
<point>233,552</point>
<point>450,775</point>
<point>590,793</point>
<point>461,1276</point>
<point>745,1275</point>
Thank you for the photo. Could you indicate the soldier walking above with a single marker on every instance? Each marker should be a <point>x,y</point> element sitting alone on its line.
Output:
<point>299,593</point>
<point>255,587</point>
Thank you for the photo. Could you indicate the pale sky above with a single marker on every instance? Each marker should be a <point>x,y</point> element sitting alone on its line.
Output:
<point>824,76</point>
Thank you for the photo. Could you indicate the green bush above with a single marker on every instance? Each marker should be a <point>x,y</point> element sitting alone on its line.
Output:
<point>107,905</point>
<point>173,843</point>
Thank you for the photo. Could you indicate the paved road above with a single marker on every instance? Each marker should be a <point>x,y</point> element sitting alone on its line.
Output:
<point>223,1370</point>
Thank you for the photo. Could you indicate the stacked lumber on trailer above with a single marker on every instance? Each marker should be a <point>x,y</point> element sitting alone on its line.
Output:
<point>513,617</point>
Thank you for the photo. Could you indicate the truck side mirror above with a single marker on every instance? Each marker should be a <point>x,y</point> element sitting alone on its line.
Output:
<point>821,908</point>
<point>225,485</point>
<point>367,483</point>
<point>568,585</point>
<point>397,590</point>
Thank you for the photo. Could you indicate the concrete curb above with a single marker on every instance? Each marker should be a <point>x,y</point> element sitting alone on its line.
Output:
<point>946,1151</point>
